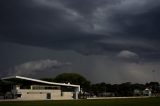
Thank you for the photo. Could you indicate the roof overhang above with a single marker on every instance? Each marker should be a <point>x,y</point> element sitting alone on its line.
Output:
<point>14,78</point>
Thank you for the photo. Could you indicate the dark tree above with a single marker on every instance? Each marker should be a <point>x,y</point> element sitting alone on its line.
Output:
<point>4,87</point>
<point>72,78</point>
<point>154,86</point>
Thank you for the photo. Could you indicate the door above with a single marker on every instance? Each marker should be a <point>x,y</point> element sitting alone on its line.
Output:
<point>48,95</point>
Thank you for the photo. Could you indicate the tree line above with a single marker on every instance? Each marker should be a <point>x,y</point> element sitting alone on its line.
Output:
<point>98,89</point>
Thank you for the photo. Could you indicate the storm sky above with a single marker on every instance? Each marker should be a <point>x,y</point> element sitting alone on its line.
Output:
<point>110,41</point>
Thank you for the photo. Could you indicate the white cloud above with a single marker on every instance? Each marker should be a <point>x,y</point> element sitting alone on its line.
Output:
<point>128,55</point>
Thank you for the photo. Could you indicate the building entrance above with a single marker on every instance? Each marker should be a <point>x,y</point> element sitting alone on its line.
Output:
<point>48,95</point>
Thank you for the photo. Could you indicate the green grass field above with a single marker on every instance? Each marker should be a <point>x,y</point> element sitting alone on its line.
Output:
<point>102,102</point>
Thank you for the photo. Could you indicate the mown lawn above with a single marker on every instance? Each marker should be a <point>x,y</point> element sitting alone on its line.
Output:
<point>102,102</point>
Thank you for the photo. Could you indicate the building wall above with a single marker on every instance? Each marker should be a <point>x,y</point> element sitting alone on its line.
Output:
<point>67,95</point>
<point>27,94</point>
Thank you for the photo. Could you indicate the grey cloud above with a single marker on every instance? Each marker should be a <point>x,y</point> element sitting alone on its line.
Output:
<point>33,67</point>
<point>112,70</point>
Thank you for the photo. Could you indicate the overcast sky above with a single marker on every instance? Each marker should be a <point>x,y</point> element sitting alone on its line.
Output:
<point>110,41</point>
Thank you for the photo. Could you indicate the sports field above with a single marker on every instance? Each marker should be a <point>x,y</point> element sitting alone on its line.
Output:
<point>97,102</point>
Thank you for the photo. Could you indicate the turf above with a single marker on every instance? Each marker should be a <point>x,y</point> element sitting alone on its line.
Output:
<point>102,102</point>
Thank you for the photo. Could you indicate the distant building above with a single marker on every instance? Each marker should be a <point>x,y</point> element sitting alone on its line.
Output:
<point>33,89</point>
<point>147,92</point>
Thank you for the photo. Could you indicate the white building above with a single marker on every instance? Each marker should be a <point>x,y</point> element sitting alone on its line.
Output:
<point>147,92</point>
<point>33,89</point>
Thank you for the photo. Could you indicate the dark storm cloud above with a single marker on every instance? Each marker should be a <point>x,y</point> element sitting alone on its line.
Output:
<point>144,25</point>
<point>87,7</point>
<point>88,26</point>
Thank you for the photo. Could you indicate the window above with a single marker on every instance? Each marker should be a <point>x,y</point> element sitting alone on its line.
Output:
<point>19,95</point>
<point>61,93</point>
<point>46,87</point>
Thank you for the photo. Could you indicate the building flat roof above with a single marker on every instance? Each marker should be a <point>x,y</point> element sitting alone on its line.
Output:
<point>40,81</point>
